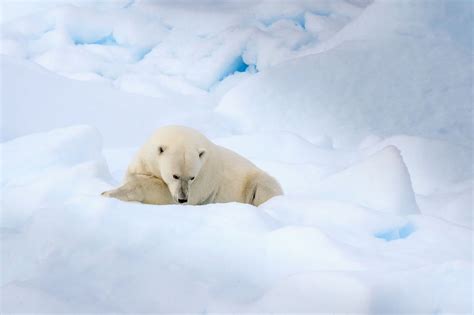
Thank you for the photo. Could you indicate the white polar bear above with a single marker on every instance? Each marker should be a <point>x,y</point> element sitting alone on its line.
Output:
<point>180,165</point>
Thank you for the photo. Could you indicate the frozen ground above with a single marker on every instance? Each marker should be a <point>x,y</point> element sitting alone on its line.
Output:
<point>362,111</point>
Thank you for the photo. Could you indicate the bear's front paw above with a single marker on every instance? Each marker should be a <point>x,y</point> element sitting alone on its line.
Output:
<point>106,194</point>
<point>125,193</point>
<point>115,193</point>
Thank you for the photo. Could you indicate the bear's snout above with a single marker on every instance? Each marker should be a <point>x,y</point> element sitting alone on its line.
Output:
<point>182,200</point>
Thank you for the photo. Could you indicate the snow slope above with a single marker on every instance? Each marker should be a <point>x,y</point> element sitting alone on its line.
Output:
<point>362,111</point>
<point>400,76</point>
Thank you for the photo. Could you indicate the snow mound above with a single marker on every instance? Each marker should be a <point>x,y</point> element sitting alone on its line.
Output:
<point>414,80</point>
<point>433,165</point>
<point>379,182</point>
<point>64,162</point>
<point>441,174</point>
<point>62,147</point>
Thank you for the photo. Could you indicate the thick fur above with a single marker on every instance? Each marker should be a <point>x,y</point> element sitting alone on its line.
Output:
<point>207,173</point>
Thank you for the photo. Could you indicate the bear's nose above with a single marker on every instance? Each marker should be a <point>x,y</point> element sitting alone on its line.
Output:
<point>182,200</point>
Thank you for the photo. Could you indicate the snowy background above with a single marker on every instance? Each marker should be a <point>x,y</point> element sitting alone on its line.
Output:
<point>361,109</point>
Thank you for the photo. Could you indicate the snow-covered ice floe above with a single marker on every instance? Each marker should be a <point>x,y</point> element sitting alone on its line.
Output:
<point>362,110</point>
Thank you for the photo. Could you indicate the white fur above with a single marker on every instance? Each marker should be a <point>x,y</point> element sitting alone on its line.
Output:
<point>220,175</point>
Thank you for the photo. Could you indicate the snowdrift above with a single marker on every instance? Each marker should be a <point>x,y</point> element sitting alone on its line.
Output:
<point>408,77</point>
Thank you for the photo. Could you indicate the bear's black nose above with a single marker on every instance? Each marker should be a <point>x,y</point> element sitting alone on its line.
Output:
<point>182,200</point>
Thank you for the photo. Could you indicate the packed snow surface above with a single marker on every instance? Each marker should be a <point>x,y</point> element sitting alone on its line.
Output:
<point>362,110</point>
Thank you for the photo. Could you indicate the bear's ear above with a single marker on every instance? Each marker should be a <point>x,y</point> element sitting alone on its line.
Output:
<point>201,153</point>
<point>161,149</point>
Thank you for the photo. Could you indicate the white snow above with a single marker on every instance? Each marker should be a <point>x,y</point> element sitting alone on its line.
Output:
<point>380,182</point>
<point>163,41</point>
<point>52,102</point>
<point>423,158</point>
<point>389,89</point>
<point>188,259</point>
<point>361,110</point>
<point>405,75</point>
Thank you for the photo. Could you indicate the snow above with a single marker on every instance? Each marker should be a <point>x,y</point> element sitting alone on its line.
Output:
<point>384,70</point>
<point>423,157</point>
<point>438,98</point>
<point>380,182</point>
<point>361,110</point>
<point>67,102</point>
<point>187,44</point>
<point>218,257</point>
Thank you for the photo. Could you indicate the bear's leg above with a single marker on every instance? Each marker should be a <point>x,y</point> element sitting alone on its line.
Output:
<point>261,187</point>
<point>142,188</point>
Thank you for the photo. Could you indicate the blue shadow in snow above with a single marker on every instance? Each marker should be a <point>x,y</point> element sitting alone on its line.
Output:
<point>297,19</point>
<point>238,65</point>
<point>141,53</point>
<point>108,40</point>
<point>396,233</point>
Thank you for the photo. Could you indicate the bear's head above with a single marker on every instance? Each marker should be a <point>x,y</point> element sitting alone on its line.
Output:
<point>180,154</point>
<point>179,168</point>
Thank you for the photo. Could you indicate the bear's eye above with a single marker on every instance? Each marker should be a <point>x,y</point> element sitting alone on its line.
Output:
<point>175,176</point>
<point>192,178</point>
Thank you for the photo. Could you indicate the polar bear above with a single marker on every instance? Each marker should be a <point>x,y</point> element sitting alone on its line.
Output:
<point>180,165</point>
